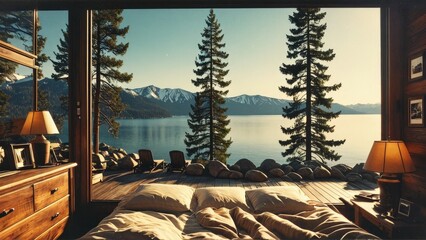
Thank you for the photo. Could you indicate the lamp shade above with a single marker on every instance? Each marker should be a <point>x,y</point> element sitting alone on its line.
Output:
<point>38,123</point>
<point>389,157</point>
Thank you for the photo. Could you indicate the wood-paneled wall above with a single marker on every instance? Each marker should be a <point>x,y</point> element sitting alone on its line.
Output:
<point>414,184</point>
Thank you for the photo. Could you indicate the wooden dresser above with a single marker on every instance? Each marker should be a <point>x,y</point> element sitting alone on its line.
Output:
<point>36,203</point>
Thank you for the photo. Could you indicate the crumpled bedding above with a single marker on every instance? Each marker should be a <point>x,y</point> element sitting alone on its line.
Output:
<point>223,223</point>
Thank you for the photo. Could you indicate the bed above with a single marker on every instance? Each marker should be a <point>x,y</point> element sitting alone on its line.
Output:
<point>162,211</point>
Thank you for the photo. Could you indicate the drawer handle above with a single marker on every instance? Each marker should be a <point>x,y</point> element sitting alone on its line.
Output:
<point>54,216</point>
<point>6,212</point>
<point>54,190</point>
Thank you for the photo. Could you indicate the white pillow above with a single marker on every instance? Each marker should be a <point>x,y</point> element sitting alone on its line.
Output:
<point>168,198</point>
<point>280,199</point>
<point>217,197</point>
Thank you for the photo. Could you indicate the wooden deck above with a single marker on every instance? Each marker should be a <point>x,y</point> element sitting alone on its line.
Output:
<point>118,184</point>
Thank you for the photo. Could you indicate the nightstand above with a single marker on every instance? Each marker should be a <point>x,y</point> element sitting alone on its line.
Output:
<point>366,217</point>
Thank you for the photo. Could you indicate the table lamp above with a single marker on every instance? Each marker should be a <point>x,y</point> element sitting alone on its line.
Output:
<point>39,123</point>
<point>391,158</point>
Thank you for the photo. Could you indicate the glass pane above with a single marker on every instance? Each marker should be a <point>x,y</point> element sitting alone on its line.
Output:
<point>53,81</point>
<point>16,28</point>
<point>162,47</point>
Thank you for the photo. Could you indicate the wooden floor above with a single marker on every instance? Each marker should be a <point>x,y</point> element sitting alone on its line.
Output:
<point>118,184</point>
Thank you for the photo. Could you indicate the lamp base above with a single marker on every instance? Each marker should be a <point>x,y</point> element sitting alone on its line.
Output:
<point>389,193</point>
<point>41,150</point>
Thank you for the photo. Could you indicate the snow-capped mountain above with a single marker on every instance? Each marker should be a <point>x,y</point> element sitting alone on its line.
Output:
<point>177,102</point>
<point>257,100</point>
<point>170,95</point>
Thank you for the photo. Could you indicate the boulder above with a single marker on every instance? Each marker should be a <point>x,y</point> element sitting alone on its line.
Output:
<point>224,173</point>
<point>269,164</point>
<point>99,161</point>
<point>120,154</point>
<point>135,156</point>
<point>370,176</point>
<point>315,163</point>
<point>306,173</point>
<point>112,165</point>
<point>195,169</point>
<point>121,150</point>
<point>287,168</point>
<point>215,167</point>
<point>115,156</point>
<point>343,168</point>
<point>127,163</point>
<point>336,173</point>
<point>235,168</point>
<point>105,154</point>
<point>287,178</point>
<point>321,172</point>
<point>235,175</point>
<point>353,177</point>
<point>276,173</point>
<point>245,165</point>
<point>103,147</point>
<point>294,176</point>
<point>256,176</point>
<point>359,168</point>
<point>296,164</point>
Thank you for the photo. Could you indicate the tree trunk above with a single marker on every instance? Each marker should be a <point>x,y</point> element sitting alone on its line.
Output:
<point>96,110</point>
<point>308,99</point>
<point>211,95</point>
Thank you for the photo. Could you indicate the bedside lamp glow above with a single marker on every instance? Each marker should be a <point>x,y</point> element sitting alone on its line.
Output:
<point>389,158</point>
<point>39,123</point>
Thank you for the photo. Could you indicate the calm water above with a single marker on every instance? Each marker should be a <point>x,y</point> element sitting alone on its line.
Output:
<point>254,137</point>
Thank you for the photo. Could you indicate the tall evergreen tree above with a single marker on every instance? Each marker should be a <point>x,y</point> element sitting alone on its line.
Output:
<point>61,64</point>
<point>310,109</point>
<point>107,105</point>
<point>208,120</point>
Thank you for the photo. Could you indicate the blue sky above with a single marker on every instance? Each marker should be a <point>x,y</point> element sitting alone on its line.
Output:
<point>163,47</point>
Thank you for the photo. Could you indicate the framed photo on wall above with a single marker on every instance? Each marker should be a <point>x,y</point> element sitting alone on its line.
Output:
<point>21,156</point>
<point>415,112</point>
<point>416,67</point>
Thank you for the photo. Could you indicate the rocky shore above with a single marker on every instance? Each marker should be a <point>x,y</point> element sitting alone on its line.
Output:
<point>111,159</point>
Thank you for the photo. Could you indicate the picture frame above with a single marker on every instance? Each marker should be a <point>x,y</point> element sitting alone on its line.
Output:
<point>53,158</point>
<point>404,208</point>
<point>416,67</point>
<point>21,156</point>
<point>416,112</point>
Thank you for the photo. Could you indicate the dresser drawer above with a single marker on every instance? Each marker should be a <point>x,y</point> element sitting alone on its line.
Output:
<point>55,232</point>
<point>50,190</point>
<point>15,206</point>
<point>39,222</point>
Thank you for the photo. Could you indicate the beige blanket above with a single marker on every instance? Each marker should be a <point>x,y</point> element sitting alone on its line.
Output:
<point>223,223</point>
<point>317,224</point>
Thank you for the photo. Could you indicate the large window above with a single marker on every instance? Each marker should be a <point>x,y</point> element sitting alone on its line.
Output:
<point>164,43</point>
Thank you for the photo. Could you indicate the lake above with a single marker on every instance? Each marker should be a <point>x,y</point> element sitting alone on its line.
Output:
<point>254,137</point>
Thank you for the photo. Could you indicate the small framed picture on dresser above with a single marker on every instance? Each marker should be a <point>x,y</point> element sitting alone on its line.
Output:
<point>404,208</point>
<point>415,112</point>
<point>21,156</point>
<point>416,67</point>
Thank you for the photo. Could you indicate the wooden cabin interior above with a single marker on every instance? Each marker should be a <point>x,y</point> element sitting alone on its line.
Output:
<point>403,36</point>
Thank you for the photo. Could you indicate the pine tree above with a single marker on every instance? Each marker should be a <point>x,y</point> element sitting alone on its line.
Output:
<point>310,109</point>
<point>61,64</point>
<point>61,73</point>
<point>208,121</point>
<point>107,105</point>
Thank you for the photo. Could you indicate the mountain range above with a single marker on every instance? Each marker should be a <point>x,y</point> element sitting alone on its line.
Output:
<point>154,102</point>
